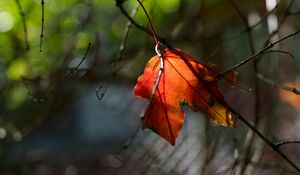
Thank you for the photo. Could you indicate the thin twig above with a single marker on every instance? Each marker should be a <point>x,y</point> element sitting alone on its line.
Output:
<point>253,128</point>
<point>264,16</point>
<point>81,61</point>
<point>265,166</point>
<point>124,40</point>
<point>269,46</point>
<point>133,136</point>
<point>150,24</point>
<point>100,91</point>
<point>249,140</point>
<point>132,21</point>
<point>126,32</point>
<point>281,21</point>
<point>266,140</point>
<point>142,28</point>
<point>278,85</point>
<point>280,51</point>
<point>287,142</point>
<point>22,14</point>
<point>42,28</point>
<point>241,15</point>
<point>72,71</point>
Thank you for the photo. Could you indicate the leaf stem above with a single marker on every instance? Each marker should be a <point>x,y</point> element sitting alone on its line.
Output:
<point>149,22</point>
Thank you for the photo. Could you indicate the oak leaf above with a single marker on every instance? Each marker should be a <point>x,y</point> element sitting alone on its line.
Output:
<point>183,81</point>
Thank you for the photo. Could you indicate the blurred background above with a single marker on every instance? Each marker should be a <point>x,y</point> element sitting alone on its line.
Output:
<point>62,112</point>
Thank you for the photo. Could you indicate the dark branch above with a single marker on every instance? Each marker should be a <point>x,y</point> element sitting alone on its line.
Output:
<point>266,140</point>
<point>142,28</point>
<point>280,51</point>
<point>81,61</point>
<point>72,71</point>
<point>287,142</point>
<point>42,28</point>
<point>271,45</point>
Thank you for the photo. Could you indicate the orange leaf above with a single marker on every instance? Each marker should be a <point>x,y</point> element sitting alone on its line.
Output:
<point>183,81</point>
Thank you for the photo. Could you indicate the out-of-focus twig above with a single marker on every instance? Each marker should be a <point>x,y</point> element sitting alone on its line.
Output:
<point>286,14</point>
<point>250,136</point>
<point>264,16</point>
<point>278,85</point>
<point>276,168</point>
<point>22,14</point>
<point>126,33</point>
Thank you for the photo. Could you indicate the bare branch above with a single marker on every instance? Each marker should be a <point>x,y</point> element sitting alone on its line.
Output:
<point>125,37</point>
<point>132,21</point>
<point>127,30</point>
<point>278,85</point>
<point>72,71</point>
<point>81,61</point>
<point>255,67</point>
<point>142,28</point>
<point>266,140</point>
<point>269,46</point>
<point>287,142</point>
<point>280,51</point>
<point>42,28</point>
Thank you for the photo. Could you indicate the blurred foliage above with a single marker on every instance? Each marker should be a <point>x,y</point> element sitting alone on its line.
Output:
<point>33,84</point>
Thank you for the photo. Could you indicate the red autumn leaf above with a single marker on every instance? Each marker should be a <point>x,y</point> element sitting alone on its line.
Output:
<point>183,81</point>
